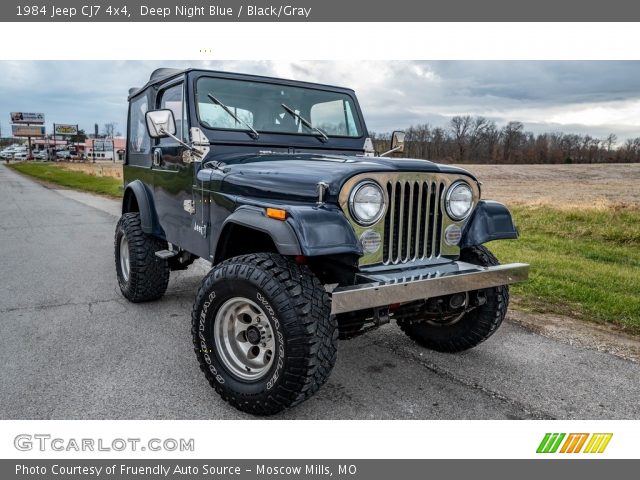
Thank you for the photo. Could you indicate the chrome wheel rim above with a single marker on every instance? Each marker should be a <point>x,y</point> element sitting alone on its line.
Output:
<point>124,258</point>
<point>244,339</point>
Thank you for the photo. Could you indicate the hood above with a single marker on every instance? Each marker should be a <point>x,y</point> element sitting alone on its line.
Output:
<point>294,177</point>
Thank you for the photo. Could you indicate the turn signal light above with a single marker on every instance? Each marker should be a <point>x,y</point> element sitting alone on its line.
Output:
<point>276,213</point>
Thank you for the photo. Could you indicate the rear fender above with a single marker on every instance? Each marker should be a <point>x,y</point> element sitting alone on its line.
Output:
<point>137,191</point>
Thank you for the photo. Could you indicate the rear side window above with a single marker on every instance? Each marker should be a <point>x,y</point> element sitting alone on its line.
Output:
<point>139,141</point>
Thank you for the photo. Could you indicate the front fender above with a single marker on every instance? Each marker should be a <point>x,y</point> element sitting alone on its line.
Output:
<point>489,221</point>
<point>308,230</point>
<point>323,231</point>
<point>281,233</point>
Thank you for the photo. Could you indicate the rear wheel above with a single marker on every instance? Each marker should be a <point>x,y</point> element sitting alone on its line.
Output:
<point>263,333</point>
<point>472,325</point>
<point>141,275</point>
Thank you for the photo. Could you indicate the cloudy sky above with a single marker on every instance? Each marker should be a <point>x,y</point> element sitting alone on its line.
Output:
<point>592,97</point>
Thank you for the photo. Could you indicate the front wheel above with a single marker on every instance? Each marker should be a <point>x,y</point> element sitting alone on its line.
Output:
<point>459,331</point>
<point>263,333</point>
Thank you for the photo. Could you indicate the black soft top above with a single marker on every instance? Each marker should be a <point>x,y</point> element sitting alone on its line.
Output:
<point>161,75</point>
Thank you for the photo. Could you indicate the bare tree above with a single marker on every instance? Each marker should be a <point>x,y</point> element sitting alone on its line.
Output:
<point>109,129</point>
<point>477,139</point>
<point>460,127</point>
<point>477,134</point>
<point>511,140</point>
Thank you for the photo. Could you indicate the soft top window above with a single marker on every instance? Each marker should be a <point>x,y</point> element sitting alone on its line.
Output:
<point>139,141</point>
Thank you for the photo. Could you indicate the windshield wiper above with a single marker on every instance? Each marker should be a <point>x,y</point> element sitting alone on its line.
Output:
<point>305,122</point>
<point>252,132</point>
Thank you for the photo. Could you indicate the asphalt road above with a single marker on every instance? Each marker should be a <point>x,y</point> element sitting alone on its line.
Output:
<point>71,347</point>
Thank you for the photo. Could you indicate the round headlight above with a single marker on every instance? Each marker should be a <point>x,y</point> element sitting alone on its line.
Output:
<point>459,200</point>
<point>366,203</point>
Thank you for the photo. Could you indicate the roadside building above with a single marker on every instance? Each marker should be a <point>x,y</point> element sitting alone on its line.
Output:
<point>40,144</point>
<point>104,149</point>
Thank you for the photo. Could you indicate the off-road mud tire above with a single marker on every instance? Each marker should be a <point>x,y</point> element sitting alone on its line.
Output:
<point>298,309</point>
<point>148,275</point>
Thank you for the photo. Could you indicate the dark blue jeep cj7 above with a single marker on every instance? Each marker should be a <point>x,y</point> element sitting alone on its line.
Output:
<point>311,235</point>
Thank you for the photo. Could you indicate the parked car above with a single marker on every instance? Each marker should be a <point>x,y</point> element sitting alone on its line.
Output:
<point>11,151</point>
<point>21,155</point>
<point>310,235</point>
<point>41,155</point>
<point>63,154</point>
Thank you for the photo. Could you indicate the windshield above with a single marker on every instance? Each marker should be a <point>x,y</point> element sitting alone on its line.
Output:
<point>260,106</point>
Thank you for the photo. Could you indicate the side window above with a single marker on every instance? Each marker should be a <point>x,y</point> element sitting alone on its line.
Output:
<point>171,99</point>
<point>139,141</point>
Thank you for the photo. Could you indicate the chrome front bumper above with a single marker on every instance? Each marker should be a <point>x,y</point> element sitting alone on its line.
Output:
<point>436,281</point>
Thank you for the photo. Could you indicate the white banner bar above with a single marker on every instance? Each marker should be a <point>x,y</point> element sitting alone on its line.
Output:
<point>307,439</point>
<point>319,41</point>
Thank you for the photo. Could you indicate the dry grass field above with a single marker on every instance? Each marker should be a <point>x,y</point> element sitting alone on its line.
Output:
<point>580,231</point>
<point>564,186</point>
<point>99,169</point>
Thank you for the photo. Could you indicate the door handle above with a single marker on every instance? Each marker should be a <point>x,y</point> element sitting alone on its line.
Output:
<point>157,157</point>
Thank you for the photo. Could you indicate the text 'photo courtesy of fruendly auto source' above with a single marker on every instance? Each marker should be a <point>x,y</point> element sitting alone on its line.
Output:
<point>320,240</point>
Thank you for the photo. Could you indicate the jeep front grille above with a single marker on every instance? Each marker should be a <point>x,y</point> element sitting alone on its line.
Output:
<point>413,222</point>
<point>413,226</point>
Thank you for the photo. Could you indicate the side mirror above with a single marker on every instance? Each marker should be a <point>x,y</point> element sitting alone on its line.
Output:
<point>161,123</point>
<point>397,141</point>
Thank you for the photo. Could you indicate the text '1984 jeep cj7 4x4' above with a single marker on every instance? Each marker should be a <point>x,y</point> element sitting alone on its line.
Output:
<point>311,236</point>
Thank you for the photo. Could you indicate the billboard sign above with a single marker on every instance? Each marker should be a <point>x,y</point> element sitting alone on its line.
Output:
<point>27,117</point>
<point>102,145</point>
<point>61,129</point>
<point>27,130</point>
